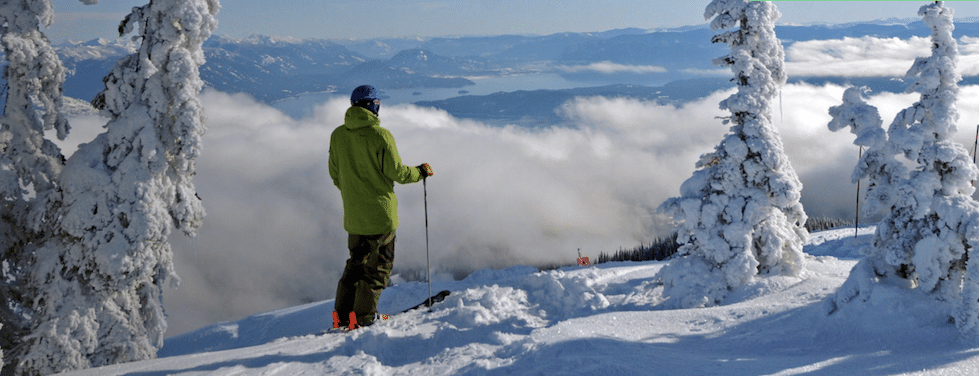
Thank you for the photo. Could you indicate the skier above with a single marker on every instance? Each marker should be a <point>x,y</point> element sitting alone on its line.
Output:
<point>364,164</point>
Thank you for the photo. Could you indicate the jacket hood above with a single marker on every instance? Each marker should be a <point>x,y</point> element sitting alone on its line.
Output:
<point>359,117</point>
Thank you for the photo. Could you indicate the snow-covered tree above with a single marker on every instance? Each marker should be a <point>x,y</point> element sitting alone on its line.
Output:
<point>878,162</point>
<point>99,282</point>
<point>925,239</point>
<point>29,163</point>
<point>739,215</point>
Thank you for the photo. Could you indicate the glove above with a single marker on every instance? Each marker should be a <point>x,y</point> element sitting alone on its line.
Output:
<point>426,170</point>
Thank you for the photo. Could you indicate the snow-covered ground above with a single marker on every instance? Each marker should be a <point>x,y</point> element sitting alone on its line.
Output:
<point>599,320</point>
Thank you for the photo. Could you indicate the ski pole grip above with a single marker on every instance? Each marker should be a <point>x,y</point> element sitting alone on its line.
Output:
<point>426,170</point>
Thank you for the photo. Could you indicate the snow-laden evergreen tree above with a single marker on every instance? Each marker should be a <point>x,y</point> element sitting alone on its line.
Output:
<point>924,241</point>
<point>29,163</point>
<point>878,162</point>
<point>99,283</point>
<point>739,215</point>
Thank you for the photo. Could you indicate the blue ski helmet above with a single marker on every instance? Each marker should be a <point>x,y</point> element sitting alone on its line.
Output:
<point>366,96</point>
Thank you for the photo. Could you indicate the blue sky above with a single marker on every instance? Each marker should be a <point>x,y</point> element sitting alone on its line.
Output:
<point>364,19</point>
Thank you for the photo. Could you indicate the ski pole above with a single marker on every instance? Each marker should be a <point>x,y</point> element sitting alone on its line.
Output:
<point>975,147</point>
<point>856,215</point>
<point>428,258</point>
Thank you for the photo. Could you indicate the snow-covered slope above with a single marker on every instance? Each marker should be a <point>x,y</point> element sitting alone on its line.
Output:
<point>592,320</point>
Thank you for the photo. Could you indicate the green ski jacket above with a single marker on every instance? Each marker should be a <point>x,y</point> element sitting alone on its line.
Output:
<point>364,164</point>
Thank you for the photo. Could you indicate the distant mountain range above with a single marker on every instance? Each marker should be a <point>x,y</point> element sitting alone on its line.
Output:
<point>644,62</point>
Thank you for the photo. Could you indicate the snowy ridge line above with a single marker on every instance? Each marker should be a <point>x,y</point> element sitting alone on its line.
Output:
<point>882,22</point>
<point>878,22</point>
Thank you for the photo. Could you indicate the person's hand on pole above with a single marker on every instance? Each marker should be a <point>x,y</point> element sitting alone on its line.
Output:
<point>426,170</point>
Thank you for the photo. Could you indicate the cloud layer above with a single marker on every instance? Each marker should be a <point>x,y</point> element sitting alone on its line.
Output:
<point>870,56</point>
<point>608,67</point>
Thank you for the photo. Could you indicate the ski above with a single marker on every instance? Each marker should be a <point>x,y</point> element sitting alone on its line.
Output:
<point>432,300</point>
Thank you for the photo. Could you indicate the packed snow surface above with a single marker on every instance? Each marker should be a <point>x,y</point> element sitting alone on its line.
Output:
<point>603,319</point>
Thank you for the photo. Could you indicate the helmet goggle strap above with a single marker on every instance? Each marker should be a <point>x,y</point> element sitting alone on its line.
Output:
<point>366,102</point>
<point>372,105</point>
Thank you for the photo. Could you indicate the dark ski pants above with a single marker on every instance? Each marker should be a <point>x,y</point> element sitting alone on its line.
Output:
<point>368,271</point>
